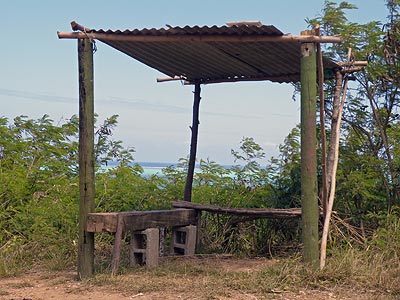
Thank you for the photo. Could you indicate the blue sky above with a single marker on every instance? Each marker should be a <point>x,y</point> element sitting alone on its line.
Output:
<point>38,73</point>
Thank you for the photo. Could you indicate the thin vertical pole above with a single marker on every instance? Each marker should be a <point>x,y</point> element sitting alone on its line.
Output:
<point>86,157</point>
<point>193,143</point>
<point>320,64</point>
<point>117,245</point>
<point>198,230</point>
<point>309,197</point>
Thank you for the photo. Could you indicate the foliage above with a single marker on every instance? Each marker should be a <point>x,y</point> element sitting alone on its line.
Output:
<point>111,150</point>
<point>38,181</point>
<point>39,188</point>
<point>284,172</point>
<point>367,180</point>
<point>39,191</point>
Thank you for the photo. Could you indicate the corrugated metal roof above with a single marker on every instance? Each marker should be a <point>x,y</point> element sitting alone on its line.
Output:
<point>236,30</point>
<point>214,61</point>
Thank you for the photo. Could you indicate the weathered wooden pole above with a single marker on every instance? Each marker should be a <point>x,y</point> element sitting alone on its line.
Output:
<point>86,157</point>
<point>320,66</point>
<point>193,144</point>
<point>309,196</point>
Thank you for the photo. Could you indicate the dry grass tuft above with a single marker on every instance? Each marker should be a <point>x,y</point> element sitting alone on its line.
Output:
<point>216,278</point>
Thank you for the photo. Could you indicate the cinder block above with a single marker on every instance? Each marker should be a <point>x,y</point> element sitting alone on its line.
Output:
<point>183,240</point>
<point>144,248</point>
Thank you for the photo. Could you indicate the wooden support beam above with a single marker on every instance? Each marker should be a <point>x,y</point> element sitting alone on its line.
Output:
<point>239,79</point>
<point>198,230</point>
<point>339,100</point>
<point>102,222</point>
<point>140,220</point>
<point>159,218</point>
<point>356,63</point>
<point>175,78</point>
<point>86,157</point>
<point>271,213</point>
<point>117,245</point>
<point>199,38</point>
<point>309,196</point>
<point>320,66</point>
<point>193,144</point>
<point>351,70</point>
<point>280,78</point>
<point>75,26</point>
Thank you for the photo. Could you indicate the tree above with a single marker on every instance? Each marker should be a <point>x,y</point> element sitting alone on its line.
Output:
<point>374,101</point>
<point>38,186</point>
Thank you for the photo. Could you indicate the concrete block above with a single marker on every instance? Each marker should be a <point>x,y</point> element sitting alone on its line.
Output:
<point>144,248</point>
<point>183,240</point>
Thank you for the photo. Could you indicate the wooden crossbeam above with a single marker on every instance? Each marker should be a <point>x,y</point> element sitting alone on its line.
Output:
<point>139,220</point>
<point>199,38</point>
<point>271,213</point>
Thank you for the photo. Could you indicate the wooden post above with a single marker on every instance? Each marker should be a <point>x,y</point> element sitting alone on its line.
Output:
<point>117,245</point>
<point>193,143</point>
<point>320,65</point>
<point>309,197</point>
<point>86,157</point>
<point>339,100</point>
<point>198,230</point>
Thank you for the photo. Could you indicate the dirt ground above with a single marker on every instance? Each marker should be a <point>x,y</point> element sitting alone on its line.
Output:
<point>193,279</point>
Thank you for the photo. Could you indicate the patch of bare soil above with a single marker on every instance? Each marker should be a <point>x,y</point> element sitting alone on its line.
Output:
<point>184,278</point>
<point>42,285</point>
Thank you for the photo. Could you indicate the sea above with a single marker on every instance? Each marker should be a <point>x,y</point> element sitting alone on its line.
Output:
<point>151,168</point>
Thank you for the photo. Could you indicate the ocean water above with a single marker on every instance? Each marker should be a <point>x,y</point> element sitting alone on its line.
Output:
<point>149,168</point>
<point>153,168</point>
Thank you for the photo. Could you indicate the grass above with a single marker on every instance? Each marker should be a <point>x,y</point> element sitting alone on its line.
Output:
<point>371,274</point>
<point>373,268</point>
<point>214,278</point>
<point>204,277</point>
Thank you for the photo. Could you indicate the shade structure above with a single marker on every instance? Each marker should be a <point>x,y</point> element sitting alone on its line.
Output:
<point>238,52</point>
<point>205,54</point>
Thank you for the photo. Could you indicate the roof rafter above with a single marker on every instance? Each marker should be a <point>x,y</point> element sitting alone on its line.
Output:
<point>199,38</point>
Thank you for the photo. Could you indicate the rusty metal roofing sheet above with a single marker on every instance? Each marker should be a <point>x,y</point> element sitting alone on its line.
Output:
<point>236,30</point>
<point>214,61</point>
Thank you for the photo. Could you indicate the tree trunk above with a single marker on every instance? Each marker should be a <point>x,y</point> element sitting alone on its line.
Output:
<point>334,159</point>
<point>320,65</point>
<point>334,127</point>
<point>383,135</point>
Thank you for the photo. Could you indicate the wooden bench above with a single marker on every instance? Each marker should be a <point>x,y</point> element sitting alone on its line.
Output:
<point>184,214</point>
<point>132,221</point>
